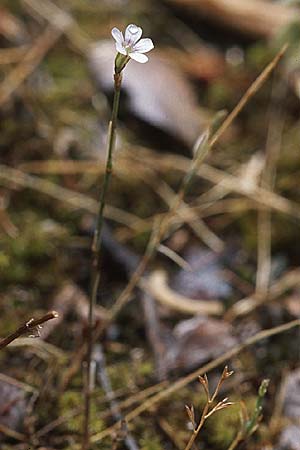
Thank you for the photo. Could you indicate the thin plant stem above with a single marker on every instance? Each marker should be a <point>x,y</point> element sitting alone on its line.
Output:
<point>236,441</point>
<point>197,430</point>
<point>96,249</point>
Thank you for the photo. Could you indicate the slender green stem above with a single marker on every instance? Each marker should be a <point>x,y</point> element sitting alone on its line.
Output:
<point>96,249</point>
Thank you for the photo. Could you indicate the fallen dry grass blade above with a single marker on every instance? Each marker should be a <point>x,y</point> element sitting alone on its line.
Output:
<point>249,304</point>
<point>59,18</point>
<point>273,148</point>
<point>13,177</point>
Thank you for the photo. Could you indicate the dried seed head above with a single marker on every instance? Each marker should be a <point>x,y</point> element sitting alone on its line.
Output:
<point>191,413</point>
<point>226,373</point>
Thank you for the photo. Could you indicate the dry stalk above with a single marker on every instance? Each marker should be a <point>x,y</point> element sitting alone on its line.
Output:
<point>32,325</point>
<point>208,409</point>
<point>273,147</point>
<point>12,55</point>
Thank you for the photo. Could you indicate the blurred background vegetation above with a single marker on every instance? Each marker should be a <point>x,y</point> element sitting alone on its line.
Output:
<point>232,252</point>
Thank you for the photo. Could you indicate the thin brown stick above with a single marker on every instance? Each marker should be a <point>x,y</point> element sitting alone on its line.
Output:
<point>255,86</point>
<point>30,325</point>
<point>12,55</point>
<point>273,148</point>
<point>8,432</point>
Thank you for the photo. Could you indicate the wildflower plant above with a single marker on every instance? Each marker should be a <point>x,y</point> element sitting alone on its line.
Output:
<point>130,47</point>
<point>211,405</point>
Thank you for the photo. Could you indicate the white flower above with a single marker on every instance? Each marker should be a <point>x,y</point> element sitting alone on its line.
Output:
<point>132,46</point>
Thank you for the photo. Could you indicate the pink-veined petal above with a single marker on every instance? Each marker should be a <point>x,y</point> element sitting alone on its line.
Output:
<point>139,57</point>
<point>132,34</point>
<point>143,46</point>
<point>117,35</point>
<point>120,48</point>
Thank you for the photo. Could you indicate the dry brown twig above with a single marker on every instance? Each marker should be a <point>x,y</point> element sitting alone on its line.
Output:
<point>12,55</point>
<point>30,326</point>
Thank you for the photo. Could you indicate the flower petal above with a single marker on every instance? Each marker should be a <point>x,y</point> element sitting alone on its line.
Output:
<point>132,34</point>
<point>120,48</point>
<point>117,35</point>
<point>143,46</point>
<point>138,57</point>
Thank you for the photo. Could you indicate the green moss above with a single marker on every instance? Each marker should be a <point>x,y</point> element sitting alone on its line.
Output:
<point>146,368</point>
<point>4,261</point>
<point>220,95</point>
<point>150,441</point>
<point>222,427</point>
<point>26,258</point>
<point>71,401</point>
<point>258,56</point>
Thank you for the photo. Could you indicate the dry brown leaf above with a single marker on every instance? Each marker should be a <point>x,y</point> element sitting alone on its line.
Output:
<point>258,18</point>
<point>198,340</point>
